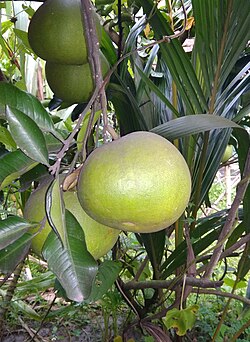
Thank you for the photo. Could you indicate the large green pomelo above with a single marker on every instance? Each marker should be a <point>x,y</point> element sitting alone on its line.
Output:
<point>72,83</point>
<point>99,238</point>
<point>56,32</point>
<point>139,183</point>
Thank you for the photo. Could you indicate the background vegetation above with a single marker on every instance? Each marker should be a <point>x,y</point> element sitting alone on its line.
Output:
<point>183,73</point>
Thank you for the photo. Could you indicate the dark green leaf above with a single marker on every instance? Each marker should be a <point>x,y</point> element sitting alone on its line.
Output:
<point>13,165</point>
<point>27,135</point>
<point>192,124</point>
<point>156,90</point>
<point>154,244</point>
<point>12,228</point>
<point>36,174</point>
<point>107,274</point>
<point>13,254</point>
<point>244,263</point>
<point>177,61</point>
<point>28,104</point>
<point>55,210</point>
<point>126,108</point>
<point>73,265</point>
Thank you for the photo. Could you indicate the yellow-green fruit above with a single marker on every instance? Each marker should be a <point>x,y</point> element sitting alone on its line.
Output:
<point>72,83</point>
<point>56,32</point>
<point>227,154</point>
<point>139,183</point>
<point>99,238</point>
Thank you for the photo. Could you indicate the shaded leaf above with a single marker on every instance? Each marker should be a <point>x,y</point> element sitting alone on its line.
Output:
<point>73,265</point>
<point>6,138</point>
<point>55,210</point>
<point>107,274</point>
<point>155,245</point>
<point>13,165</point>
<point>177,61</point>
<point>53,144</point>
<point>244,264</point>
<point>35,174</point>
<point>27,135</point>
<point>12,228</point>
<point>157,91</point>
<point>192,124</point>
<point>13,254</point>
<point>126,107</point>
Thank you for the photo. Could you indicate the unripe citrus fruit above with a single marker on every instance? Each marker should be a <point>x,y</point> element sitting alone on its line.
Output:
<point>56,32</point>
<point>227,154</point>
<point>72,83</point>
<point>99,238</point>
<point>139,183</point>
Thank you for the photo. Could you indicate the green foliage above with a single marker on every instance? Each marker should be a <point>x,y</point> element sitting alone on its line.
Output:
<point>181,320</point>
<point>198,100</point>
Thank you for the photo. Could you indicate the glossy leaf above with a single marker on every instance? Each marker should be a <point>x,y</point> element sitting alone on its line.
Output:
<point>27,135</point>
<point>12,228</point>
<point>13,165</point>
<point>14,253</point>
<point>55,210</point>
<point>6,138</point>
<point>192,124</point>
<point>73,265</point>
<point>28,104</point>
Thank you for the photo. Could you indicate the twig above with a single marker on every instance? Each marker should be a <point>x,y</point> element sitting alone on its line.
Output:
<point>222,294</point>
<point>141,268</point>
<point>226,253</point>
<point>161,284</point>
<point>242,187</point>
<point>44,318</point>
<point>30,331</point>
<point>129,298</point>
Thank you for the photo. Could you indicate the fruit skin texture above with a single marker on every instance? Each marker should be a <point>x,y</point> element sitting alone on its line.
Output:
<point>72,83</point>
<point>227,154</point>
<point>139,183</point>
<point>99,238</point>
<point>56,32</point>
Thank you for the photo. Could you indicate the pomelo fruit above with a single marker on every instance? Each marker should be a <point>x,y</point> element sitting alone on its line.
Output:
<point>139,183</point>
<point>72,83</point>
<point>99,238</point>
<point>56,32</point>
<point>227,154</point>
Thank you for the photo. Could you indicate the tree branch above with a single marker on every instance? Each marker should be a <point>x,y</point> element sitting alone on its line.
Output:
<point>161,284</point>
<point>222,294</point>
